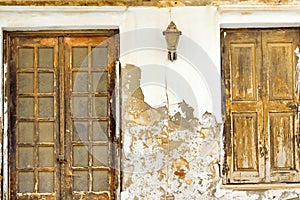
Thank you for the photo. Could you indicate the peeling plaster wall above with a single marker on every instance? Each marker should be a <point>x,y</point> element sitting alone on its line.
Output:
<point>167,155</point>
<point>172,138</point>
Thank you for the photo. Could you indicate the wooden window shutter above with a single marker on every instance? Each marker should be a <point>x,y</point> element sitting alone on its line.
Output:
<point>261,105</point>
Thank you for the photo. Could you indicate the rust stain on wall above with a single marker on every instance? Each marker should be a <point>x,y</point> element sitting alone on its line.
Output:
<point>180,167</point>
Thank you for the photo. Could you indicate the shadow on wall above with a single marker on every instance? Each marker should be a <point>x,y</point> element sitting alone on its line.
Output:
<point>164,155</point>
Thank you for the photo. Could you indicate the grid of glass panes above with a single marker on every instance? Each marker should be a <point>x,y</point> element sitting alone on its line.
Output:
<point>90,118</point>
<point>36,119</point>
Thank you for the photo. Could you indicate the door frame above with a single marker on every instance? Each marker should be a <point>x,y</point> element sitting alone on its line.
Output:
<point>115,105</point>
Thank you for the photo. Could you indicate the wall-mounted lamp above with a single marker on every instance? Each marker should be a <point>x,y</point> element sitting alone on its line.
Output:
<point>172,37</point>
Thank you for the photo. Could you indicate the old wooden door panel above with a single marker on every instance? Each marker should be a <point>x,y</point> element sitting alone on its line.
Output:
<point>261,106</point>
<point>243,72</point>
<point>34,118</point>
<point>281,71</point>
<point>282,156</point>
<point>280,120</point>
<point>90,77</point>
<point>281,138</point>
<point>245,136</point>
<point>242,75</point>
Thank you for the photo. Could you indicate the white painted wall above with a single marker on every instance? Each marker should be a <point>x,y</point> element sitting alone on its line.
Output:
<point>142,44</point>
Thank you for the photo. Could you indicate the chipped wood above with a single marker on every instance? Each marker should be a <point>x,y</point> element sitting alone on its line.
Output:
<point>261,105</point>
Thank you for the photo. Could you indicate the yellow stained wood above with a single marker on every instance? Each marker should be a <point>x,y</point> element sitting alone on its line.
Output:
<point>261,121</point>
<point>241,75</point>
<point>280,120</point>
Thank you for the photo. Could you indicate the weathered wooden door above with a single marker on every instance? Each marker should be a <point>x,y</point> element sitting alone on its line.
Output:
<point>261,124</point>
<point>61,127</point>
<point>89,122</point>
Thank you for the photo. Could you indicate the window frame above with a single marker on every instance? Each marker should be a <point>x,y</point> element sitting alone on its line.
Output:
<point>242,17</point>
<point>227,141</point>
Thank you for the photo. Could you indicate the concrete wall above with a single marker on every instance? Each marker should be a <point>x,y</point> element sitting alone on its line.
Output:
<point>172,123</point>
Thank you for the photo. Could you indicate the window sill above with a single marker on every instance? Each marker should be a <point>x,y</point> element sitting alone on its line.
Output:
<point>271,186</point>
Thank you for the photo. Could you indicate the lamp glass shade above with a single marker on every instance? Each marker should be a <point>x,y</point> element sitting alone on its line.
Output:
<point>172,39</point>
<point>172,36</point>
